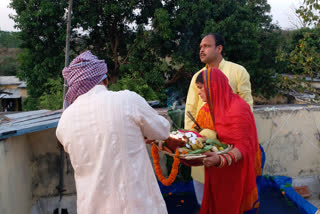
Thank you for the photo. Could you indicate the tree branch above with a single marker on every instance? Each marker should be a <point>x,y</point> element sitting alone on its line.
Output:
<point>177,76</point>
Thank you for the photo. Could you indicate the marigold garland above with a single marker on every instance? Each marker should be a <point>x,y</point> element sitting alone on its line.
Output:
<point>156,162</point>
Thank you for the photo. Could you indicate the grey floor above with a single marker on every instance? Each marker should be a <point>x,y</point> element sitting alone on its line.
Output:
<point>313,183</point>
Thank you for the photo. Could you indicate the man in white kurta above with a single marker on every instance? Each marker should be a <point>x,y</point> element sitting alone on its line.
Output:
<point>103,132</point>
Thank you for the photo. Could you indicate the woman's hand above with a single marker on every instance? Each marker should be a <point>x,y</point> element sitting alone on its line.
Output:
<point>194,162</point>
<point>212,159</point>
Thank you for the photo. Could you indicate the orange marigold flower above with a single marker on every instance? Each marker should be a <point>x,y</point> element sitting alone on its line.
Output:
<point>182,201</point>
<point>175,167</point>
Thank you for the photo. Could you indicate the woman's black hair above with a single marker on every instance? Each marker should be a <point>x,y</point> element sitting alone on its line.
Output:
<point>200,78</point>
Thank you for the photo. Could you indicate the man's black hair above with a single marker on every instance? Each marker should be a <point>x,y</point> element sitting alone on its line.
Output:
<point>200,78</point>
<point>219,39</point>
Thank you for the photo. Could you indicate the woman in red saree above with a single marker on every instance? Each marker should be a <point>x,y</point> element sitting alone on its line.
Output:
<point>230,179</point>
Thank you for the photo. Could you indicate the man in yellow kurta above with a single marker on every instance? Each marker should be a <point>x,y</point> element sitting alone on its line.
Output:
<point>211,53</point>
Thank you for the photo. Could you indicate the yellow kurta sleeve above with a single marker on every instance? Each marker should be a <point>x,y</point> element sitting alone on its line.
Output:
<point>244,86</point>
<point>239,80</point>
<point>193,103</point>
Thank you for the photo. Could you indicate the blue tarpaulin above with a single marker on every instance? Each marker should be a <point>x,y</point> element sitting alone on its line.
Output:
<point>275,193</point>
<point>284,184</point>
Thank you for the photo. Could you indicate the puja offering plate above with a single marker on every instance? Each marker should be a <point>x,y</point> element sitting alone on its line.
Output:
<point>191,145</point>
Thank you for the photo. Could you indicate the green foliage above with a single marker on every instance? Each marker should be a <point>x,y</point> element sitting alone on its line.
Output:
<point>303,60</point>
<point>107,34</point>
<point>43,26</point>
<point>136,84</point>
<point>53,99</point>
<point>8,66</point>
<point>251,42</point>
<point>31,103</point>
<point>8,53</point>
<point>139,58</point>
<point>309,12</point>
<point>109,24</point>
<point>251,39</point>
<point>144,69</point>
<point>9,39</point>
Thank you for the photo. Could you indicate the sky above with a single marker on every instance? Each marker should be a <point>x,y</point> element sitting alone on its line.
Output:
<point>282,12</point>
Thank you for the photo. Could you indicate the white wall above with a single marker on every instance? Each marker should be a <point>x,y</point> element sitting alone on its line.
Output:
<point>29,171</point>
<point>29,164</point>
<point>15,176</point>
<point>290,136</point>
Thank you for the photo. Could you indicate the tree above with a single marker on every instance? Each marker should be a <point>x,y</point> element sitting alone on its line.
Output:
<point>309,11</point>
<point>152,43</point>
<point>8,53</point>
<point>42,33</point>
<point>303,58</point>
<point>9,39</point>
<point>179,26</point>
<point>8,65</point>
<point>107,32</point>
<point>111,27</point>
<point>303,61</point>
<point>295,19</point>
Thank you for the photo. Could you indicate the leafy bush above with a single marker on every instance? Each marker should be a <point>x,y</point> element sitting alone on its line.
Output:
<point>303,61</point>
<point>138,85</point>
<point>53,99</point>
<point>9,39</point>
<point>8,66</point>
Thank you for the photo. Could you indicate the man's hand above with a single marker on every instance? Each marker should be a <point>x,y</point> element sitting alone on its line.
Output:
<point>152,141</point>
<point>147,141</point>
<point>212,159</point>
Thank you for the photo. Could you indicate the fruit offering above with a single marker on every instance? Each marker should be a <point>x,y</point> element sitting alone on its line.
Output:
<point>189,142</point>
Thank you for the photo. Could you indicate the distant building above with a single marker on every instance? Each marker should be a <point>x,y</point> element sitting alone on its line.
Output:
<point>12,92</point>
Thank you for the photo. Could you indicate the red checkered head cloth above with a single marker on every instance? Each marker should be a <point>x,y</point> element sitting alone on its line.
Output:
<point>83,73</point>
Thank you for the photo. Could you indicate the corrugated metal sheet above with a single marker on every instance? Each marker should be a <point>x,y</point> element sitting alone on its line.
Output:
<point>11,80</point>
<point>27,122</point>
<point>10,94</point>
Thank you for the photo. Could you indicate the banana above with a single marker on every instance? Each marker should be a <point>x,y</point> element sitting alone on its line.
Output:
<point>200,141</point>
<point>194,146</point>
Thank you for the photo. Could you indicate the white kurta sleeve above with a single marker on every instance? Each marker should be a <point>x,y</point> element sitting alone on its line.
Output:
<point>60,133</point>
<point>153,126</point>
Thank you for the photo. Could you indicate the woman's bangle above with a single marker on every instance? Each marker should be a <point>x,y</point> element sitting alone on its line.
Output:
<point>232,156</point>
<point>223,161</point>
<point>229,158</point>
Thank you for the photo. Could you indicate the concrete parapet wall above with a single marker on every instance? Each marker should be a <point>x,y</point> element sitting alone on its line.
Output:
<point>29,164</point>
<point>290,136</point>
<point>29,169</point>
<point>15,176</point>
